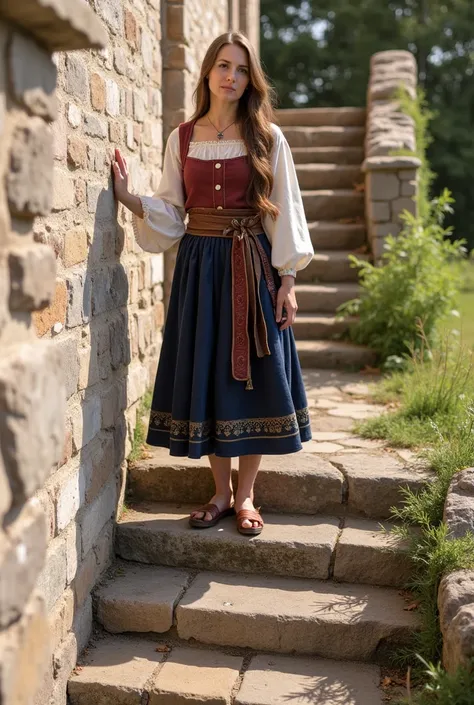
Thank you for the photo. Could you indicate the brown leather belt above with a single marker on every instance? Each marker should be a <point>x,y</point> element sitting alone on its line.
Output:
<point>249,261</point>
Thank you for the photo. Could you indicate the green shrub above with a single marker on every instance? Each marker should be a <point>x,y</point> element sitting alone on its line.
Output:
<point>416,283</point>
<point>444,688</point>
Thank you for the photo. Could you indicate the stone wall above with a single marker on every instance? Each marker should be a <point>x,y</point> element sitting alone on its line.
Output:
<point>35,375</point>
<point>81,306</point>
<point>456,592</point>
<point>390,181</point>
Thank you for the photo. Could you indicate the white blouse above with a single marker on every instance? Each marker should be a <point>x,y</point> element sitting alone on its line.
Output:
<point>164,218</point>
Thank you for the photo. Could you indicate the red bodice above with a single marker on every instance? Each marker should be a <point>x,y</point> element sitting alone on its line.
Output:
<point>214,183</point>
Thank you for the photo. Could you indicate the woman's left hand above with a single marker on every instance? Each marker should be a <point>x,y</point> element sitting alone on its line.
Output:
<point>286,298</point>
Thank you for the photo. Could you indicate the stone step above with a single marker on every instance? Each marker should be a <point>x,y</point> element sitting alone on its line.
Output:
<point>328,155</point>
<point>331,266</point>
<point>326,136</point>
<point>128,670</point>
<point>281,680</point>
<point>291,545</point>
<point>333,204</point>
<point>332,620</point>
<point>324,618</point>
<point>301,483</point>
<point>324,297</point>
<point>329,354</point>
<point>312,117</point>
<point>331,235</point>
<point>322,326</point>
<point>328,176</point>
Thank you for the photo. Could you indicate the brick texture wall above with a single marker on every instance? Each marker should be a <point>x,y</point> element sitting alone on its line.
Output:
<point>81,306</point>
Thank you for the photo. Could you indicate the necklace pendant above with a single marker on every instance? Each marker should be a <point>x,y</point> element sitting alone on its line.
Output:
<point>220,135</point>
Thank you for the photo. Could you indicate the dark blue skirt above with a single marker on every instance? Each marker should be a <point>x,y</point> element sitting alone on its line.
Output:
<point>198,408</point>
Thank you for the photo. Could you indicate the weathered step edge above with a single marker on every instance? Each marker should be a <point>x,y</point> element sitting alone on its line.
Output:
<point>315,547</point>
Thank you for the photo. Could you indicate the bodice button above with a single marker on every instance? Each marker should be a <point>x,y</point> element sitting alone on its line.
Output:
<point>218,166</point>
<point>219,208</point>
<point>218,187</point>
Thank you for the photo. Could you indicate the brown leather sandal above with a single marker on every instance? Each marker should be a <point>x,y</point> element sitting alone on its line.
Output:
<point>214,511</point>
<point>251,515</point>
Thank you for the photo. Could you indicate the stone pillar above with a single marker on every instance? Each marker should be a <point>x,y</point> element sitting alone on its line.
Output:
<point>250,21</point>
<point>33,373</point>
<point>390,181</point>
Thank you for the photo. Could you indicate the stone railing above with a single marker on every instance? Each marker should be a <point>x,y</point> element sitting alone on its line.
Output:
<point>33,373</point>
<point>456,592</point>
<point>390,181</point>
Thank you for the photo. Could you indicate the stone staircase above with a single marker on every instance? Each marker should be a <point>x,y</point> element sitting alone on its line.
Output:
<point>307,612</point>
<point>328,149</point>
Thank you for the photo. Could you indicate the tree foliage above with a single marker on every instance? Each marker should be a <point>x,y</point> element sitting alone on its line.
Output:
<point>317,54</point>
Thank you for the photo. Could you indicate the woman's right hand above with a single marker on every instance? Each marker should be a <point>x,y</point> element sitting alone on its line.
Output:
<point>120,173</point>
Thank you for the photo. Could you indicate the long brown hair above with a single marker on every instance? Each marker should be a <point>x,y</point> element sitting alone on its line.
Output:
<point>255,112</point>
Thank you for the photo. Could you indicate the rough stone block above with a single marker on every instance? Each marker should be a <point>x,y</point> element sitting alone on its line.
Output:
<point>74,247</point>
<point>112,12</point>
<point>97,515</point>
<point>60,619</point>
<point>64,661</point>
<point>29,179</point>
<point>95,127</point>
<point>73,551</point>
<point>109,289</point>
<point>74,115</point>
<point>97,92</point>
<point>22,553</point>
<point>54,313</point>
<point>147,51</point>
<point>31,397</point>
<point>82,625</point>
<point>383,186</point>
<point>52,579</point>
<point>5,491</point>
<point>88,368</point>
<point>177,23</point>
<point>63,191</point>
<point>69,494</point>
<point>112,105</point>
<point>25,654</point>
<point>137,383</point>
<point>401,204</point>
<point>119,344</point>
<point>456,610</point>
<point>131,28</point>
<point>32,276</point>
<point>86,421</point>
<point>97,464</point>
<point>77,152</point>
<point>79,293</point>
<point>57,24</point>
<point>66,348</point>
<point>379,211</point>
<point>114,401</point>
<point>459,505</point>
<point>408,188</point>
<point>33,77</point>
<point>77,77</point>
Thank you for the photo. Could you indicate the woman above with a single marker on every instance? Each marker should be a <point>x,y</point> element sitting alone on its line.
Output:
<point>228,382</point>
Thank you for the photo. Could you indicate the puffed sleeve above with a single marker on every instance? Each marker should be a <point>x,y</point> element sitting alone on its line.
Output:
<point>292,248</point>
<point>163,213</point>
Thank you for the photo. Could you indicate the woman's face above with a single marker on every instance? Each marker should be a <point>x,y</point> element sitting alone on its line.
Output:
<point>230,71</point>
